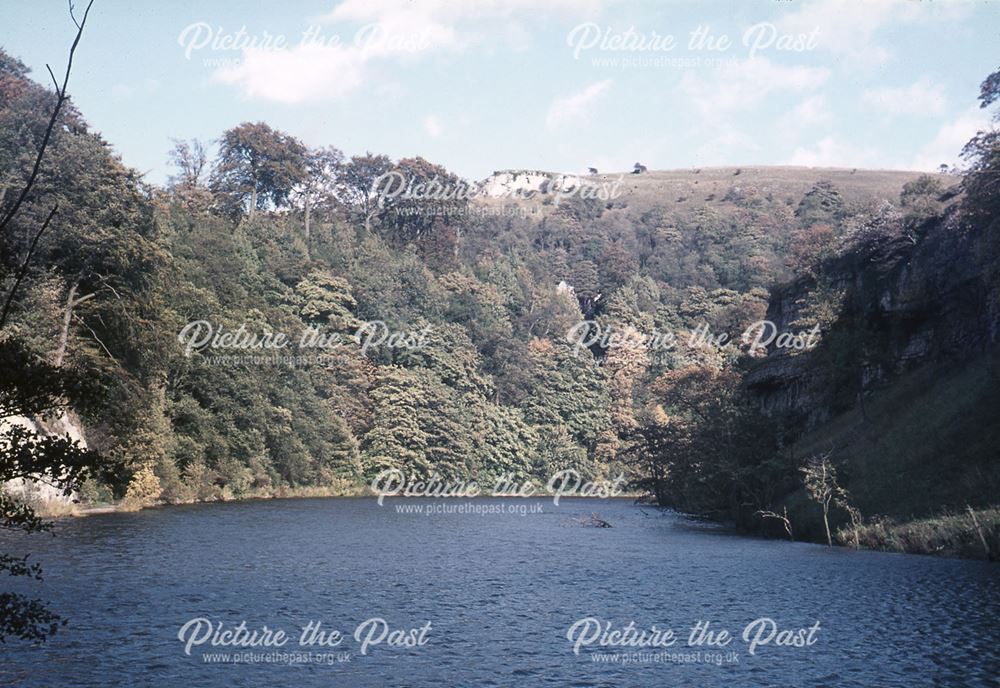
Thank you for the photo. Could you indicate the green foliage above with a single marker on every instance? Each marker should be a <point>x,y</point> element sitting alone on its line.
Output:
<point>823,203</point>
<point>282,239</point>
<point>32,388</point>
<point>418,198</point>
<point>707,447</point>
<point>326,302</point>
<point>358,179</point>
<point>416,419</point>
<point>24,618</point>
<point>258,168</point>
<point>567,391</point>
<point>921,199</point>
<point>981,182</point>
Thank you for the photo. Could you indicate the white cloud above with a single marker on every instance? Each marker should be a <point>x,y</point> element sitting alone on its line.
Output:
<point>380,31</point>
<point>808,116</point>
<point>741,85</point>
<point>724,101</point>
<point>812,110</point>
<point>923,97</point>
<point>392,28</point>
<point>944,147</point>
<point>844,26</point>
<point>947,144</point>
<point>829,152</point>
<point>452,11</point>
<point>432,126</point>
<point>300,74</point>
<point>575,109</point>
<point>849,27</point>
<point>720,147</point>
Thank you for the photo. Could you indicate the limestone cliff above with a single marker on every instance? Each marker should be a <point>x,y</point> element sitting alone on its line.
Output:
<point>898,300</point>
<point>66,424</point>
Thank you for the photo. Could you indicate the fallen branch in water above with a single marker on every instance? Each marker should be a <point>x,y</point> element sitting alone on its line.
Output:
<point>592,521</point>
<point>783,517</point>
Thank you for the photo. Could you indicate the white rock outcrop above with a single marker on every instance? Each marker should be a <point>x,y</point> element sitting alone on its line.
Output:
<point>34,490</point>
<point>523,183</point>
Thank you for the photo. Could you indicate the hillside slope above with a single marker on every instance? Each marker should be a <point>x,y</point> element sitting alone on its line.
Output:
<point>691,188</point>
<point>496,387</point>
<point>904,389</point>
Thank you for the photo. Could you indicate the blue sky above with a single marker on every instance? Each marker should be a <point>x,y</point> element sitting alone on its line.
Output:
<point>544,84</point>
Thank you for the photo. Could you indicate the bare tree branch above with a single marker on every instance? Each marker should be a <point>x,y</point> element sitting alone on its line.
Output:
<point>24,267</point>
<point>94,335</point>
<point>61,98</point>
<point>783,517</point>
<point>73,16</point>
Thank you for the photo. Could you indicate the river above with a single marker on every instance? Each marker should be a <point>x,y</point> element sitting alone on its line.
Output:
<point>487,597</point>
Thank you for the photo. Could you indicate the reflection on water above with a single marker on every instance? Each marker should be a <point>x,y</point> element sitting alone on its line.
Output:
<point>500,590</point>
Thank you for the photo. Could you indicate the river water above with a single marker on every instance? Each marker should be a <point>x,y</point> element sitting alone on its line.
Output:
<point>501,584</point>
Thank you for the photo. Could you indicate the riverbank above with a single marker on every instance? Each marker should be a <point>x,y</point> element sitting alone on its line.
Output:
<point>966,534</point>
<point>973,534</point>
<point>61,509</point>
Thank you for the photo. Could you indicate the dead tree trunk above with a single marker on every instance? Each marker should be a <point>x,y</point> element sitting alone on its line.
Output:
<point>369,214</point>
<point>826,523</point>
<point>253,200</point>
<point>308,233</point>
<point>72,301</point>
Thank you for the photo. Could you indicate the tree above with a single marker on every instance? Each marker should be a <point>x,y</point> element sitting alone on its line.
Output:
<point>322,173</point>
<point>419,427</point>
<point>650,449</point>
<point>819,477</point>
<point>782,517</point>
<point>191,161</point>
<point>981,185</point>
<point>625,365</point>
<point>504,442</point>
<point>810,246</point>
<point>921,199</point>
<point>877,231</point>
<point>327,302</point>
<point>104,241</point>
<point>437,197</point>
<point>433,414</point>
<point>359,185</point>
<point>719,453</point>
<point>480,307</point>
<point>982,179</point>
<point>31,387</point>
<point>567,390</point>
<point>258,167</point>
